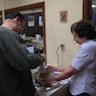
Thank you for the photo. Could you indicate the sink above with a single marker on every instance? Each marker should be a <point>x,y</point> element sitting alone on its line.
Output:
<point>56,87</point>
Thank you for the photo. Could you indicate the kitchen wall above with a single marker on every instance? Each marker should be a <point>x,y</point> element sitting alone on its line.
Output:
<point>56,33</point>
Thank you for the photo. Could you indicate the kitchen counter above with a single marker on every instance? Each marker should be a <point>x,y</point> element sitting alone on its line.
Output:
<point>59,88</point>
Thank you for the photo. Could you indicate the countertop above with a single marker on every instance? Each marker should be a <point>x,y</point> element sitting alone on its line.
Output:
<point>61,89</point>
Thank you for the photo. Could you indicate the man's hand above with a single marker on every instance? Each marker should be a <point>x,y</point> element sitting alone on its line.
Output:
<point>44,56</point>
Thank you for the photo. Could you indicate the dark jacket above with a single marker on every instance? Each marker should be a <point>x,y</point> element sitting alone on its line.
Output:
<point>15,65</point>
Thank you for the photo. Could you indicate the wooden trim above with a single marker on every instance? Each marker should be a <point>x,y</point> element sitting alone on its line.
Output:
<point>1,16</point>
<point>0,12</point>
<point>44,28</point>
<point>86,9</point>
<point>26,7</point>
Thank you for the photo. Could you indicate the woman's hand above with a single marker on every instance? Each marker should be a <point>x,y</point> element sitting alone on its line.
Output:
<point>50,67</point>
<point>55,68</point>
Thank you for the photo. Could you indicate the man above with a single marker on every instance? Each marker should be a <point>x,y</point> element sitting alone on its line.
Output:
<point>15,60</point>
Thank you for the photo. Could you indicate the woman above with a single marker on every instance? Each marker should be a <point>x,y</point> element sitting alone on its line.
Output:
<point>83,66</point>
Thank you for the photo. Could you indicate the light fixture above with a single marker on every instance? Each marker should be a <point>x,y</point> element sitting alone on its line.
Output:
<point>93,6</point>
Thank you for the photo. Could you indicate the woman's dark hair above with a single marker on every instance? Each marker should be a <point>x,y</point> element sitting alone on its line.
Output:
<point>13,15</point>
<point>84,28</point>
